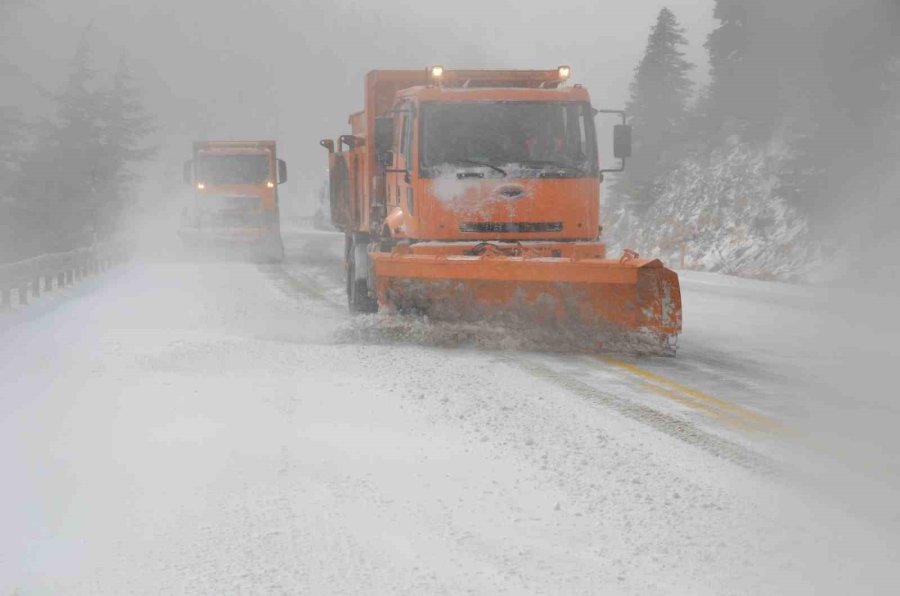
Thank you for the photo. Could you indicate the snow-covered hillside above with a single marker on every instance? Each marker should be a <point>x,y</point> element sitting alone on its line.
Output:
<point>723,209</point>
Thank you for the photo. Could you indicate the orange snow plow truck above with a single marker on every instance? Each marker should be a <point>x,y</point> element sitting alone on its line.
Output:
<point>473,195</point>
<point>235,198</point>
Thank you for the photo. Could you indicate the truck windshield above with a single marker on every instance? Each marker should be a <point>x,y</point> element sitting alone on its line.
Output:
<point>525,139</point>
<point>232,169</point>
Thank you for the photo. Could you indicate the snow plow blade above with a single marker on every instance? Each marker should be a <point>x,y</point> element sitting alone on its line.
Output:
<point>608,300</point>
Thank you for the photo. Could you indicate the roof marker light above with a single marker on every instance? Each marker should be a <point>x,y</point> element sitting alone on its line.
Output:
<point>564,72</point>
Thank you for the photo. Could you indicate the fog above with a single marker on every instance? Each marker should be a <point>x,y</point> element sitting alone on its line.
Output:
<point>293,70</point>
<point>445,457</point>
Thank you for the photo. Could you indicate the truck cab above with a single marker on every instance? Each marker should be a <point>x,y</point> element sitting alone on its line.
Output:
<point>235,197</point>
<point>492,164</point>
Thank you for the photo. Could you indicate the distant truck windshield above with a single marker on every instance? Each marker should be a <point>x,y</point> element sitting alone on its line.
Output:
<point>232,169</point>
<point>533,135</point>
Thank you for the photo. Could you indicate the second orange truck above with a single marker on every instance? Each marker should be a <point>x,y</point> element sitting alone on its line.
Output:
<point>235,198</point>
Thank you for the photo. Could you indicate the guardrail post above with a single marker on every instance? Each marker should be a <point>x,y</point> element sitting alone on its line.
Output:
<point>36,274</point>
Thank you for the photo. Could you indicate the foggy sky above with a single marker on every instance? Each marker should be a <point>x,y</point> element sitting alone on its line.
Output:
<point>292,70</point>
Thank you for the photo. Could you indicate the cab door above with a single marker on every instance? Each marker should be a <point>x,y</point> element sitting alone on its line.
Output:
<point>400,188</point>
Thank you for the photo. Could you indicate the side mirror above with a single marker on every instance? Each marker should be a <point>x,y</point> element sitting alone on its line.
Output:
<point>282,171</point>
<point>188,172</point>
<point>386,158</point>
<point>328,144</point>
<point>351,141</point>
<point>384,134</point>
<point>622,141</point>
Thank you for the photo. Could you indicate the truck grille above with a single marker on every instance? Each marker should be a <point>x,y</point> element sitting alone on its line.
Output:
<point>507,227</point>
<point>231,210</point>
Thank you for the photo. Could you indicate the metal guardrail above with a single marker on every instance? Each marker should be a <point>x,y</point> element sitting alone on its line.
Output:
<point>37,274</point>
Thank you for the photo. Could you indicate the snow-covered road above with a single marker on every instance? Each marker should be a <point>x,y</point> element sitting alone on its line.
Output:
<point>227,428</point>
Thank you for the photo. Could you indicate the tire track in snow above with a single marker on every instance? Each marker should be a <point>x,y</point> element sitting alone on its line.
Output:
<point>295,284</point>
<point>727,412</point>
<point>672,426</point>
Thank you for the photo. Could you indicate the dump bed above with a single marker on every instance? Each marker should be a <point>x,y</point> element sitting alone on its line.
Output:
<point>233,146</point>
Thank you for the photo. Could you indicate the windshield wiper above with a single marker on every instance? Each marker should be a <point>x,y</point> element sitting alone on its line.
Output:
<point>480,163</point>
<point>555,164</point>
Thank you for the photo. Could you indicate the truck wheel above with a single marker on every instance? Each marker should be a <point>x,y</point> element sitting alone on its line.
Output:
<point>358,298</point>
<point>271,250</point>
<point>276,252</point>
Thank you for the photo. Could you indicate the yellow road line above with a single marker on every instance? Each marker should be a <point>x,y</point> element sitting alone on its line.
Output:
<point>674,388</point>
<point>723,417</point>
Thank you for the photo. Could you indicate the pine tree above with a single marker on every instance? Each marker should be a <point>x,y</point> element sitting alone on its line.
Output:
<point>747,54</point>
<point>13,147</point>
<point>847,115</point>
<point>728,46</point>
<point>126,123</point>
<point>72,188</point>
<point>12,134</point>
<point>58,181</point>
<point>660,96</point>
<point>12,124</point>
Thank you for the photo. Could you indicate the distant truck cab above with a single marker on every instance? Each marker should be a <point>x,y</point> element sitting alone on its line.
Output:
<point>235,198</point>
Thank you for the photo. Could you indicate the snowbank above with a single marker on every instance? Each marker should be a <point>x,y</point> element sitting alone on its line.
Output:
<point>722,211</point>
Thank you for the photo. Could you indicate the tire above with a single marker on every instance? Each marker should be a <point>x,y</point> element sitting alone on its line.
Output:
<point>271,250</point>
<point>358,298</point>
<point>276,252</point>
